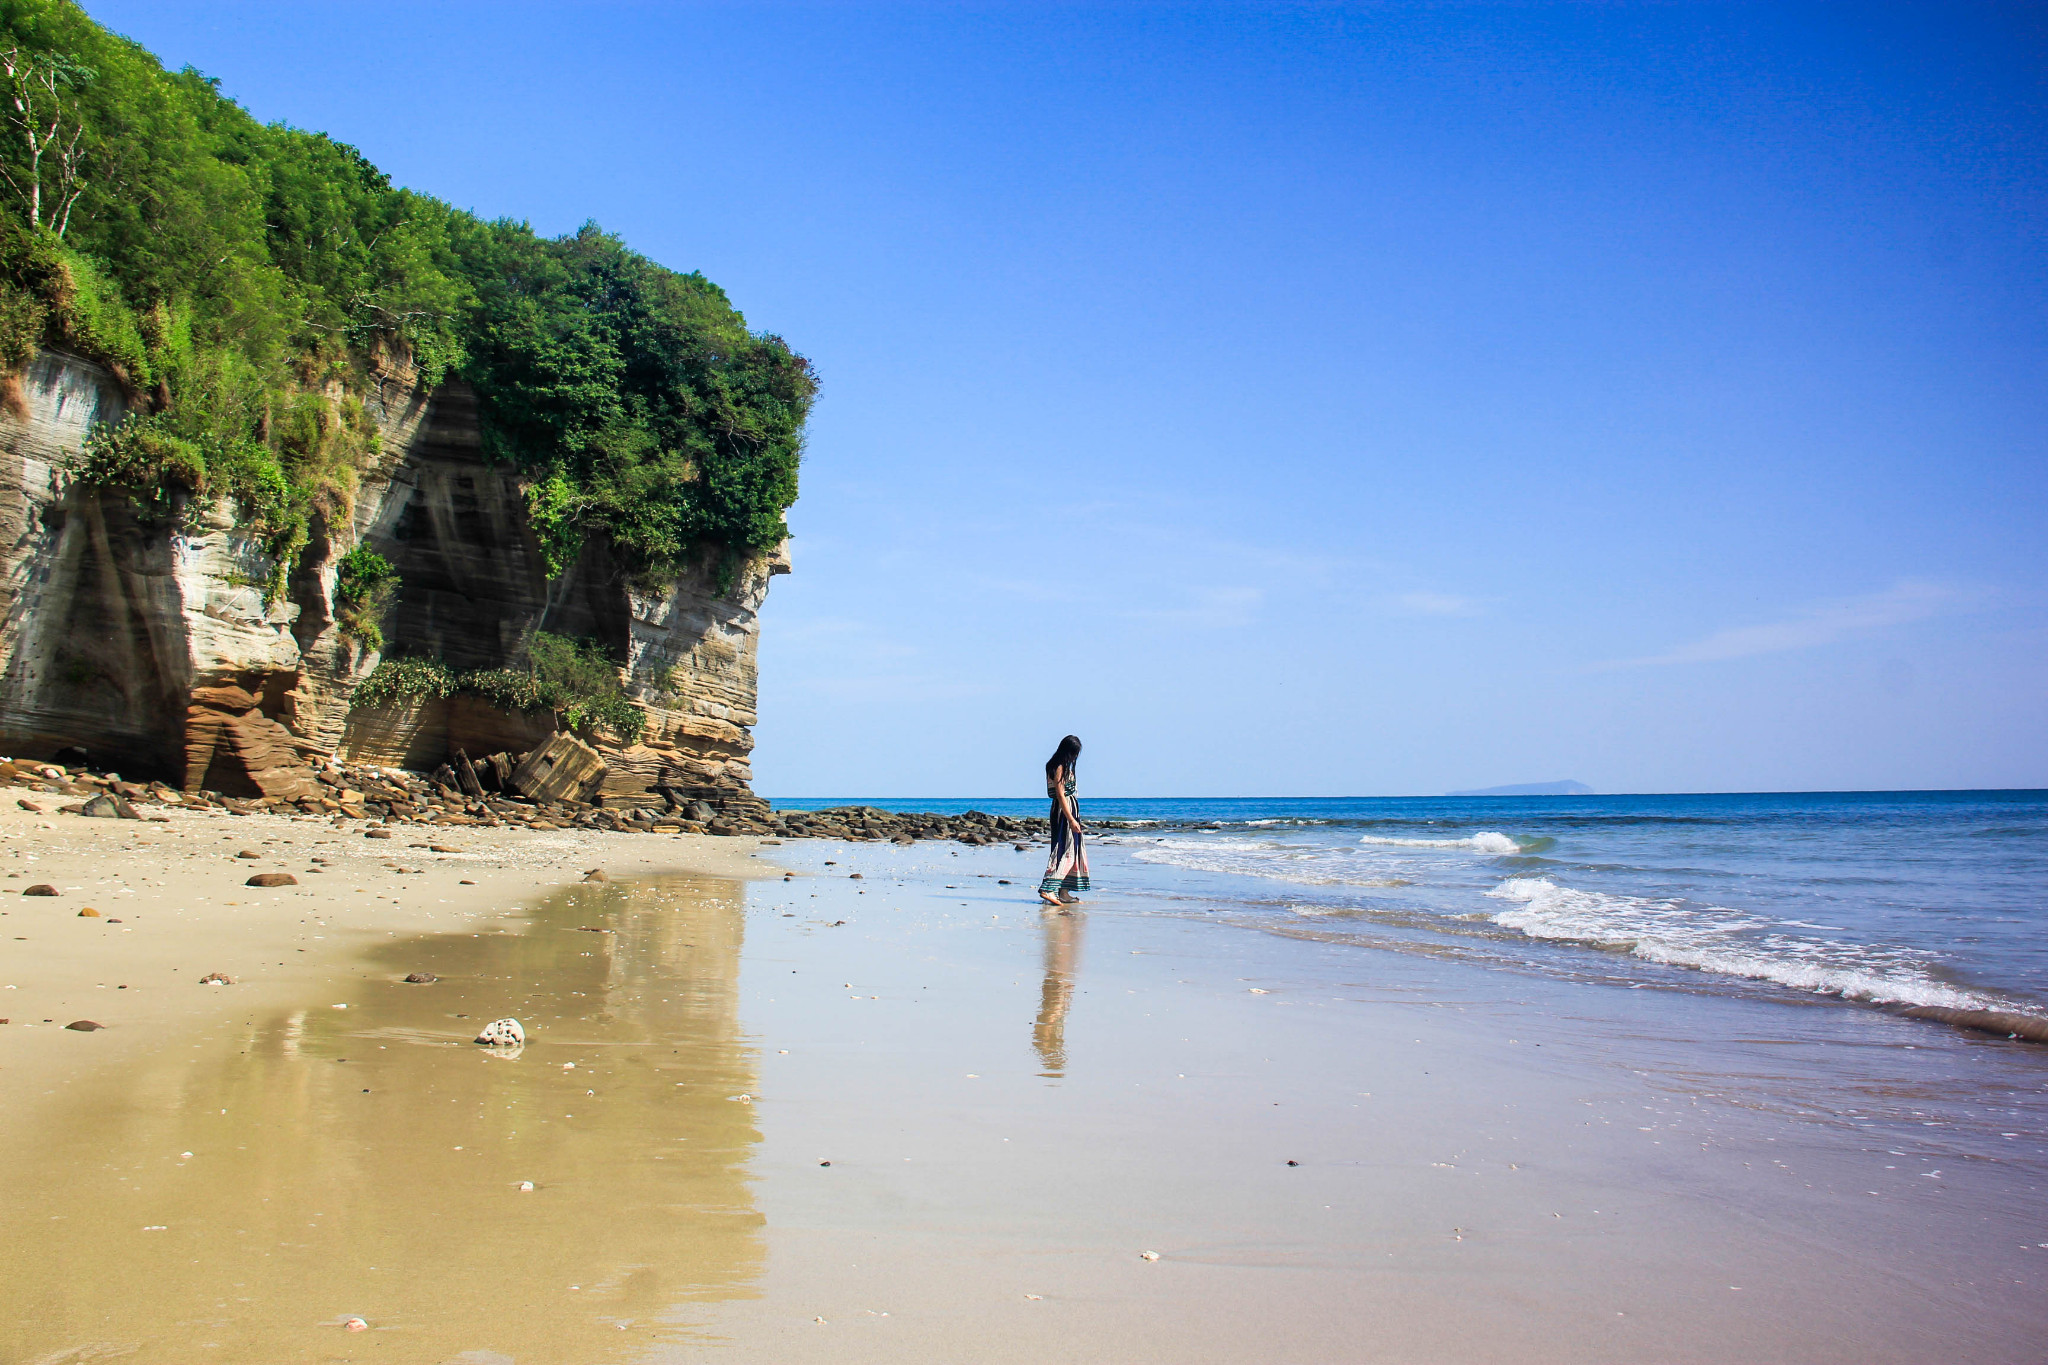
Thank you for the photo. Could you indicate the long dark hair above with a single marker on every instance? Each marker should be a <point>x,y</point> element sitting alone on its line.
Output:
<point>1064,756</point>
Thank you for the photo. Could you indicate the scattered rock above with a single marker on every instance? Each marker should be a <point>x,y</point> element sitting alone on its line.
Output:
<point>272,879</point>
<point>596,874</point>
<point>31,807</point>
<point>216,979</point>
<point>1148,1255</point>
<point>1293,1163</point>
<point>465,882</point>
<point>441,848</point>
<point>355,1325</point>
<point>1002,881</point>
<point>502,1033</point>
<point>824,1163</point>
<point>101,807</point>
<point>377,834</point>
<point>88,913</point>
<point>41,889</point>
<point>421,978</point>
<point>853,876</point>
<point>248,853</point>
<point>84,1026</point>
<point>526,1187</point>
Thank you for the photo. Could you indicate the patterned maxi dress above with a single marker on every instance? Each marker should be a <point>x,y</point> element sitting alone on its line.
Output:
<point>1066,867</point>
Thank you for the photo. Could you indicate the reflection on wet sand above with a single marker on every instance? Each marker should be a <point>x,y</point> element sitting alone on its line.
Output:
<point>242,1202</point>
<point>1056,995</point>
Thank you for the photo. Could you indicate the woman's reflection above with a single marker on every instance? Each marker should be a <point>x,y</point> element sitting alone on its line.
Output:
<point>1062,960</point>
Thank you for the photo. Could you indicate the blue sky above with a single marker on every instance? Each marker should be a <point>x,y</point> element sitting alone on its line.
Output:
<point>1319,399</point>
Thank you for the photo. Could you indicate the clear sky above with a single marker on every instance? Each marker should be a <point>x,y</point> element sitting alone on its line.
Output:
<point>1319,399</point>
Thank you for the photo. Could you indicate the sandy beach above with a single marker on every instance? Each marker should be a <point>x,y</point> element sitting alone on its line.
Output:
<point>899,1116</point>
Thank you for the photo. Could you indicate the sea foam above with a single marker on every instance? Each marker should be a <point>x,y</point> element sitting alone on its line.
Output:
<point>1486,841</point>
<point>1728,942</point>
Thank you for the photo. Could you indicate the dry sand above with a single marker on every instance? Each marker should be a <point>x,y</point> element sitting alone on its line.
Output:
<point>905,1117</point>
<point>173,908</point>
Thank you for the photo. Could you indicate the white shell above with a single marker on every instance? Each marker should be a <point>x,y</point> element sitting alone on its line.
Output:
<point>502,1033</point>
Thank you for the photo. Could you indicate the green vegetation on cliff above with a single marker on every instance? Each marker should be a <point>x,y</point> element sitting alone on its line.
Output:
<point>576,679</point>
<point>245,282</point>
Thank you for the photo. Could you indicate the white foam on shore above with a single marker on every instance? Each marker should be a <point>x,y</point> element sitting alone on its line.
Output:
<point>1486,841</point>
<point>1728,942</point>
<point>1302,864</point>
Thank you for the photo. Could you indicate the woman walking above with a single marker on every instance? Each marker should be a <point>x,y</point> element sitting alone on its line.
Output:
<point>1066,867</point>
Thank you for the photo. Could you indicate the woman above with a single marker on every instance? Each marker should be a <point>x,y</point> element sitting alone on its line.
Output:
<point>1066,868</point>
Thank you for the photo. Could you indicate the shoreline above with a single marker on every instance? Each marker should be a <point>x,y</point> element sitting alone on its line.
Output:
<point>872,1104</point>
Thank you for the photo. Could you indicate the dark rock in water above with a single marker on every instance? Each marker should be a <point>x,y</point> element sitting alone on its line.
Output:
<point>272,879</point>
<point>422,978</point>
<point>84,1026</point>
<point>40,889</point>
<point>596,874</point>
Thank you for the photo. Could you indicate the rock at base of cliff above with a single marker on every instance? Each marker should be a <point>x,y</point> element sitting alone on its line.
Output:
<point>563,769</point>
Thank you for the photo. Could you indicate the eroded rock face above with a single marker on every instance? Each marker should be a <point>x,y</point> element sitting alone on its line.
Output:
<point>150,645</point>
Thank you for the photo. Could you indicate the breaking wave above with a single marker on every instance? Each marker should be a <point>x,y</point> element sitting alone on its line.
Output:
<point>1728,942</point>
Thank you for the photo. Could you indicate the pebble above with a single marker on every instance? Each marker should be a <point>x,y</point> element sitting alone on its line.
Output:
<point>421,978</point>
<point>272,879</point>
<point>441,848</point>
<point>30,806</point>
<point>248,853</point>
<point>40,889</point>
<point>89,913</point>
<point>526,1187</point>
<point>84,1026</point>
<point>1148,1255</point>
<point>216,979</point>
<point>356,1325</point>
<point>596,874</point>
<point>378,834</point>
<point>502,1033</point>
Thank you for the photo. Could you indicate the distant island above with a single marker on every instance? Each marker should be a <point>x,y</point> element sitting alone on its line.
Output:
<point>1532,789</point>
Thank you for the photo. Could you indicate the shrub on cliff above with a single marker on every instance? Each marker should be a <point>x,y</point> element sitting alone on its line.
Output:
<point>364,585</point>
<point>575,679</point>
<point>245,282</point>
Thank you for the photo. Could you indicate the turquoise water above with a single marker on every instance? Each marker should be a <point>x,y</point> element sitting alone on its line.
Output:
<point>1888,898</point>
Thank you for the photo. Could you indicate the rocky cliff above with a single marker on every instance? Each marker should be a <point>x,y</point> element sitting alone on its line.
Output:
<point>151,646</point>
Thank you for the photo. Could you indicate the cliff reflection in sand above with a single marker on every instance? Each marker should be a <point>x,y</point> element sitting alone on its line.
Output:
<point>368,1161</point>
<point>1056,994</point>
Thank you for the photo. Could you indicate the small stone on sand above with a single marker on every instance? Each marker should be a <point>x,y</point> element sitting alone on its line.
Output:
<point>377,834</point>
<point>83,1026</point>
<point>596,874</point>
<point>422,978</point>
<point>40,889</point>
<point>216,979</point>
<point>356,1325</point>
<point>1148,1255</point>
<point>272,879</point>
<point>88,913</point>
<point>248,853</point>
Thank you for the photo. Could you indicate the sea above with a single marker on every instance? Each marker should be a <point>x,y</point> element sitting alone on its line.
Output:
<point>1872,899</point>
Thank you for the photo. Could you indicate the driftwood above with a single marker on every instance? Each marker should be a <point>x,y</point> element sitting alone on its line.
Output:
<point>563,769</point>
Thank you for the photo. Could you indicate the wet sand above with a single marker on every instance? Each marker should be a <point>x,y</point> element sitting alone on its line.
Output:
<point>1015,1106</point>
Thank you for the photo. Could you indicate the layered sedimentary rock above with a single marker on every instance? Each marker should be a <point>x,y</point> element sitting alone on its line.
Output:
<point>150,644</point>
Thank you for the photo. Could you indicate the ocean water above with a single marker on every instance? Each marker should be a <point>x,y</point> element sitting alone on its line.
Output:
<point>1869,898</point>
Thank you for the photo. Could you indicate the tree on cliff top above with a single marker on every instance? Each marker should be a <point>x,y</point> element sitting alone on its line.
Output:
<point>244,282</point>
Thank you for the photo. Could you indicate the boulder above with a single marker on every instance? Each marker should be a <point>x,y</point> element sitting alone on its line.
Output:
<point>563,769</point>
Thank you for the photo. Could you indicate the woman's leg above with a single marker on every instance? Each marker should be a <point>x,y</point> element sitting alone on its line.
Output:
<point>1075,880</point>
<point>1059,862</point>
